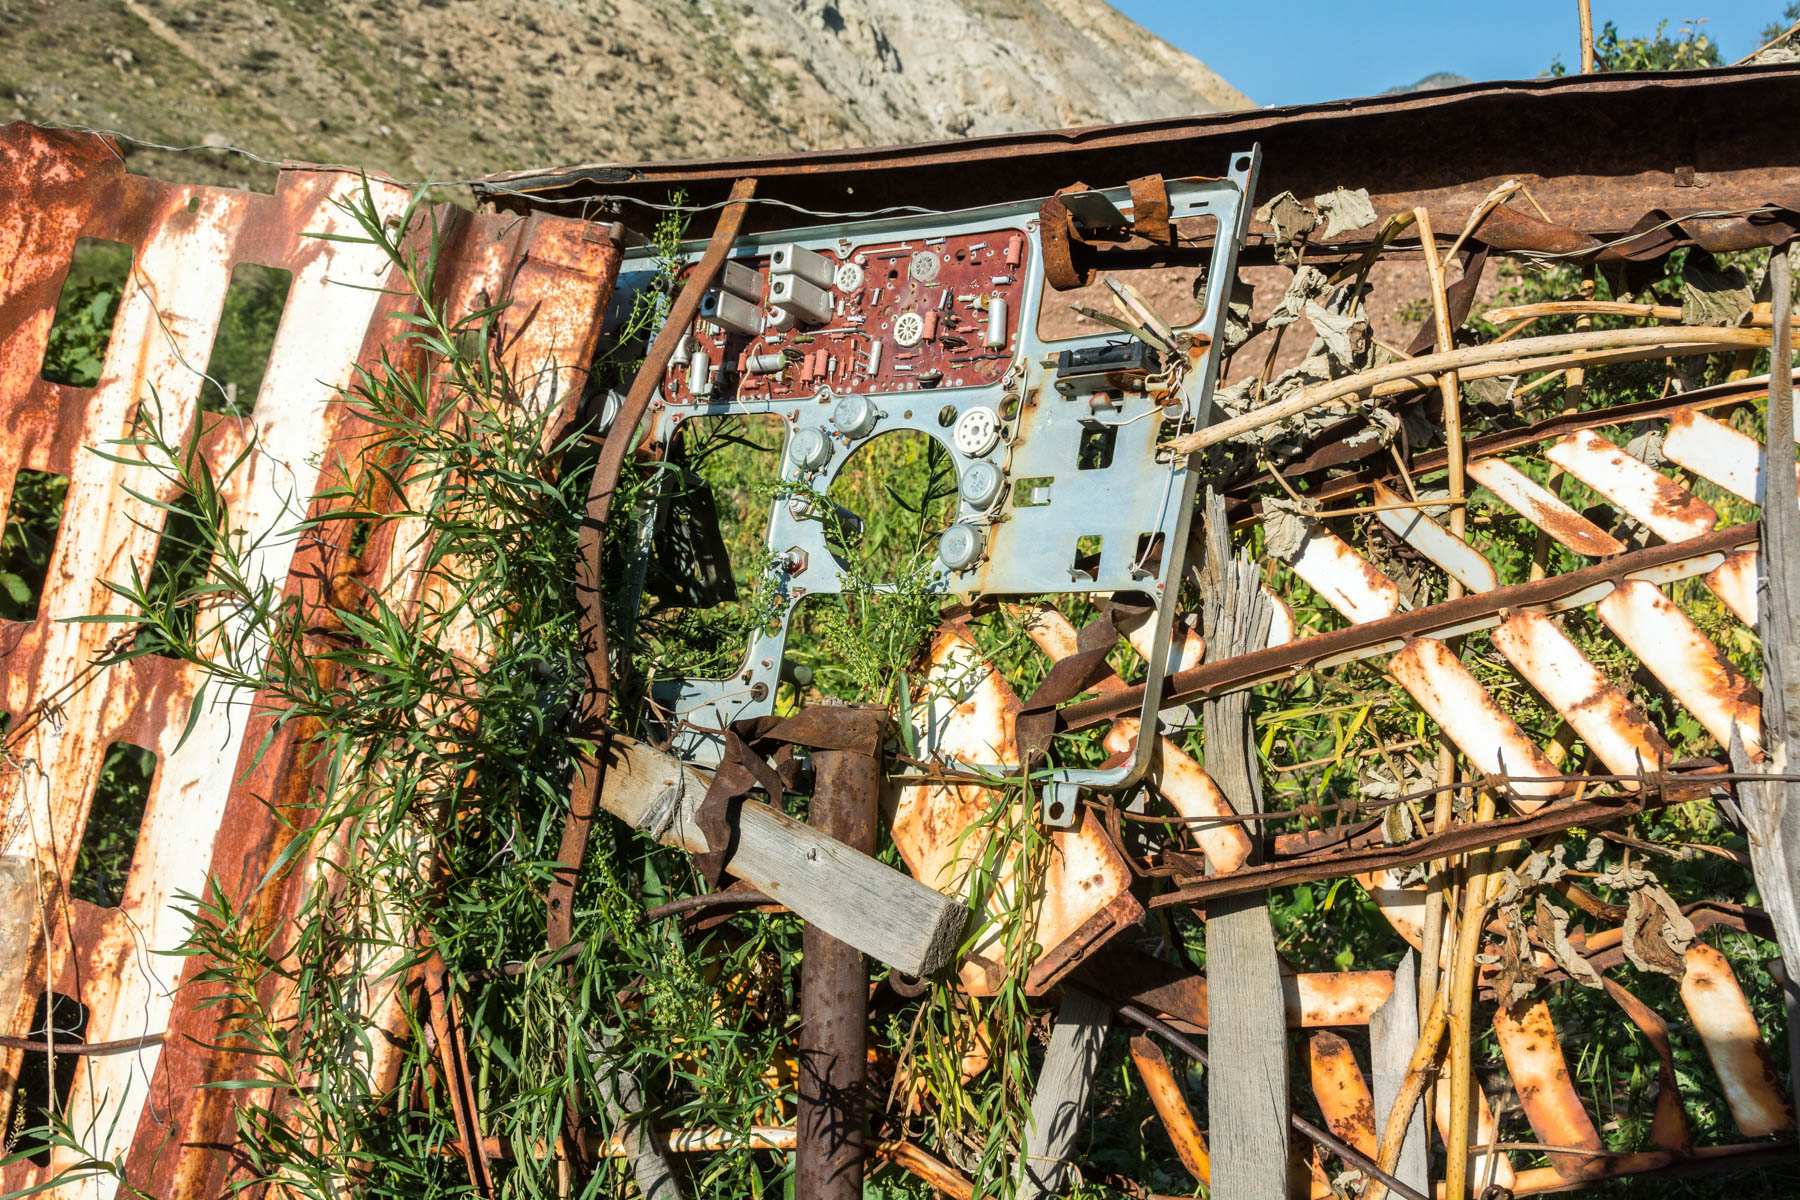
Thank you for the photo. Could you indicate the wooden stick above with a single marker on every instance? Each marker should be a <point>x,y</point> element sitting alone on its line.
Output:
<point>1449,386</point>
<point>1476,904</point>
<point>1527,354</point>
<point>1587,37</point>
<point>1603,308</point>
<point>886,914</point>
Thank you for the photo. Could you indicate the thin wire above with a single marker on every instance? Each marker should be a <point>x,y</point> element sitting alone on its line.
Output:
<point>485,185</point>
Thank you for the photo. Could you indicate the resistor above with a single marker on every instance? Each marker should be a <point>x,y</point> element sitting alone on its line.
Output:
<point>996,323</point>
<point>820,357</point>
<point>831,367</point>
<point>999,280</point>
<point>1012,250</point>
<point>928,327</point>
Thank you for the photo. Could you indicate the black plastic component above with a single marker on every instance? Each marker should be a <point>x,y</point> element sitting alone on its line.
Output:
<point>1115,367</point>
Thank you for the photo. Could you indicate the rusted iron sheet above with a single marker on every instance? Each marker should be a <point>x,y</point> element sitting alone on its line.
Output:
<point>1493,741</point>
<point>1343,578</point>
<point>1172,1106</point>
<point>1543,509</point>
<point>207,812</point>
<point>1343,1094</point>
<point>1534,1059</point>
<point>1727,1028</point>
<point>1679,142</point>
<point>1621,736</point>
<point>1461,561</point>
<point>970,719</point>
<point>1670,510</point>
<point>1694,670</point>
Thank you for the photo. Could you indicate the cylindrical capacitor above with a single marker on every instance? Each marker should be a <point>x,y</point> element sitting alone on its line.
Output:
<point>765,364</point>
<point>874,358</point>
<point>699,378</point>
<point>996,330</point>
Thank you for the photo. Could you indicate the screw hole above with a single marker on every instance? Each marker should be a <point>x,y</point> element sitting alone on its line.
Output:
<point>1243,164</point>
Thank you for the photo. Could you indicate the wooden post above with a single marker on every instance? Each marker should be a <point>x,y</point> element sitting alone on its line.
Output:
<point>1062,1091</point>
<point>834,993</point>
<point>1248,1092</point>
<point>1393,1032</point>
<point>1772,809</point>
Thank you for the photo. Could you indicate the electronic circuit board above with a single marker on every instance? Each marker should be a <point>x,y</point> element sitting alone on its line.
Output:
<point>929,323</point>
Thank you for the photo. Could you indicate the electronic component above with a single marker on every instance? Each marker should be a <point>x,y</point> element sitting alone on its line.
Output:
<point>981,484</point>
<point>925,266</point>
<point>849,278</point>
<point>809,449</point>
<point>960,546</point>
<point>854,416</point>
<point>977,431</point>
<point>741,280</point>
<point>801,263</point>
<point>996,323</point>
<point>1115,367</point>
<point>908,327</point>
<point>731,312</point>
<point>765,364</point>
<point>797,299</point>
<point>699,379</point>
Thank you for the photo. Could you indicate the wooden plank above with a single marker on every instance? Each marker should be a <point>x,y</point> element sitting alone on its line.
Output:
<point>1393,1032</point>
<point>887,915</point>
<point>1247,1103</point>
<point>1062,1091</point>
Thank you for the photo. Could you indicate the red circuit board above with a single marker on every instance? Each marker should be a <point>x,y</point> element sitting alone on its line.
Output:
<point>940,308</point>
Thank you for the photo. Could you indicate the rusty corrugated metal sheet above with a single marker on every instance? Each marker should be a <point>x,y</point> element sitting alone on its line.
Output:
<point>208,812</point>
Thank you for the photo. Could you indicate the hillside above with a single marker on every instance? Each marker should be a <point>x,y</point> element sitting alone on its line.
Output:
<point>455,88</point>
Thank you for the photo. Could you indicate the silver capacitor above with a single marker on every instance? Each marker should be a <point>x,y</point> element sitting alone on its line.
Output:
<point>996,329</point>
<point>765,364</point>
<point>699,378</point>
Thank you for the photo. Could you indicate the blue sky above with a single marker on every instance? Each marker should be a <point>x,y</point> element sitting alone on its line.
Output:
<point>1302,51</point>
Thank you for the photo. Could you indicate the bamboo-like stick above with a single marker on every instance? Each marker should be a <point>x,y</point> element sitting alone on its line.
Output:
<point>1450,386</point>
<point>1552,352</point>
<point>1476,905</point>
<point>1607,308</point>
<point>1587,37</point>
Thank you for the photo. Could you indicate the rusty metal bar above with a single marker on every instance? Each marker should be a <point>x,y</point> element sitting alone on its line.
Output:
<point>834,993</point>
<point>1439,620</point>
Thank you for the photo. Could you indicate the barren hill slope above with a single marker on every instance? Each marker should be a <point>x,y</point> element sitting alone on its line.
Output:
<point>454,88</point>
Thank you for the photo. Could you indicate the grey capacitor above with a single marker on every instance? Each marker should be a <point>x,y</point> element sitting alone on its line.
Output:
<point>981,484</point>
<point>765,364</point>
<point>996,330</point>
<point>609,409</point>
<point>699,379</point>
<point>809,265</point>
<point>742,281</point>
<point>794,296</point>
<point>731,312</point>
<point>854,416</point>
<point>809,449</point>
<point>960,546</point>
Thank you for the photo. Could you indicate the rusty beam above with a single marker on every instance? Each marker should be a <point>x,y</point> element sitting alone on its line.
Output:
<point>1454,616</point>
<point>834,993</point>
<point>1598,153</point>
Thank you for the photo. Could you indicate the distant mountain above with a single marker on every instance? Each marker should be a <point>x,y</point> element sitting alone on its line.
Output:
<point>452,88</point>
<point>1437,79</point>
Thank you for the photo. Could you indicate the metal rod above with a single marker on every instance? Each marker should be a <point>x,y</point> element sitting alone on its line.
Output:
<point>834,995</point>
